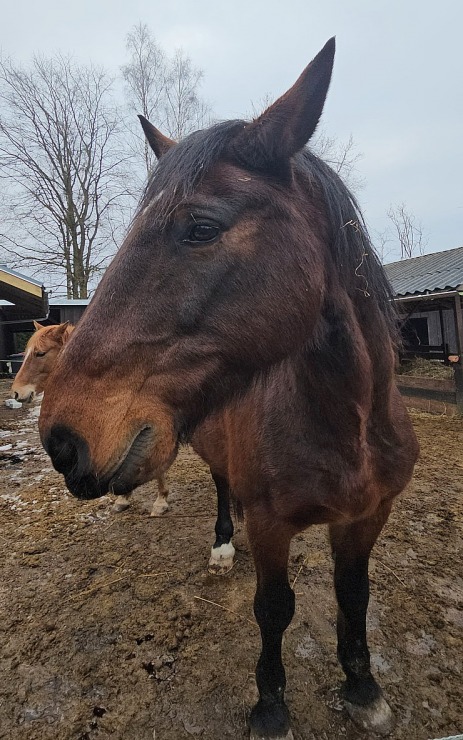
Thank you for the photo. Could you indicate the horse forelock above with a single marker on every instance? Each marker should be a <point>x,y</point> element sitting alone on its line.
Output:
<point>43,339</point>
<point>39,341</point>
<point>181,169</point>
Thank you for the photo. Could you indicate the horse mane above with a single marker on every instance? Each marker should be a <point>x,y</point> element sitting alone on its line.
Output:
<point>181,169</point>
<point>358,266</point>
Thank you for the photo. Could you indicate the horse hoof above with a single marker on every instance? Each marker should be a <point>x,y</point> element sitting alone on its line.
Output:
<point>159,509</point>
<point>118,507</point>
<point>376,717</point>
<point>221,560</point>
<point>270,721</point>
<point>289,736</point>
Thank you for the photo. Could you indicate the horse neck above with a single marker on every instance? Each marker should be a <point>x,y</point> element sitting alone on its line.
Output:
<point>350,359</point>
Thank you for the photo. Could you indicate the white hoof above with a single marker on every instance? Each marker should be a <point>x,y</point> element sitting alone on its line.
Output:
<point>221,560</point>
<point>159,508</point>
<point>288,736</point>
<point>376,717</point>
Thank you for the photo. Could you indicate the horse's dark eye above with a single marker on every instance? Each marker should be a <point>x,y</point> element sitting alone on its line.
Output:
<point>201,233</point>
<point>40,354</point>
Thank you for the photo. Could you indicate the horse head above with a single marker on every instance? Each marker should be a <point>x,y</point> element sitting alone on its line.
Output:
<point>40,356</point>
<point>222,274</point>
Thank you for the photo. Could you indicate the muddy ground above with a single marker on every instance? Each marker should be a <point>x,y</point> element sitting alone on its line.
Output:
<point>107,630</point>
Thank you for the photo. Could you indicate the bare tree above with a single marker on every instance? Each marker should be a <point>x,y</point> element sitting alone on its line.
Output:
<point>382,241</point>
<point>62,167</point>
<point>184,110</point>
<point>408,230</point>
<point>166,91</point>
<point>342,156</point>
<point>145,78</point>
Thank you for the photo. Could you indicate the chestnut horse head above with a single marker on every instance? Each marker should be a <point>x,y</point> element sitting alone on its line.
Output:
<point>40,356</point>
<point>242,243</point>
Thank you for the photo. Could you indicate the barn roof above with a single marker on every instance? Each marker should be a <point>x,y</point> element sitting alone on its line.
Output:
<point>28,296</point>
<point>426,274</point>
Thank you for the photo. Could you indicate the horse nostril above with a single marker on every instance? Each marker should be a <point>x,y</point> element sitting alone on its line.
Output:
<point>67,451</point>
<point>16,396</point>
<point>63,454</point>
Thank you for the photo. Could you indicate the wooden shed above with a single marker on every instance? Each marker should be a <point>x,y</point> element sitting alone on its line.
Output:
<point>428,291</point>
<point>22,299</point>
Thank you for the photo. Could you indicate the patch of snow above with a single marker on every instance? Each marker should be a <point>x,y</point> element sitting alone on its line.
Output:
<point>11,403</point>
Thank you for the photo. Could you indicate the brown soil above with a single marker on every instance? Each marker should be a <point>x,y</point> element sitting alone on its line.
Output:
<point>107,630</point>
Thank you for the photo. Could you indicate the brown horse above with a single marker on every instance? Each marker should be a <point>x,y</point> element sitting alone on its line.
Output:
<point>41,353</point>
<point>247,289</point>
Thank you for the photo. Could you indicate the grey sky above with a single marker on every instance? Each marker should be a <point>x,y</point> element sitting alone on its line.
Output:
<point>397,85</point>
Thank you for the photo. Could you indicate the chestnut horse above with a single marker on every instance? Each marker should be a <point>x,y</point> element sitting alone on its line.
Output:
<point>247,288</point>
<point>40,357</point>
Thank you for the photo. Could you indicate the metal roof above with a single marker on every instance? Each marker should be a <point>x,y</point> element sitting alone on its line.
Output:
<point>69,301</point>
<point>28,296</point>
<point>7,270</point>
<point>430,272</point>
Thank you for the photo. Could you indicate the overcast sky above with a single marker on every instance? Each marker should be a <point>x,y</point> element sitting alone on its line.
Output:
<point>397,84</point>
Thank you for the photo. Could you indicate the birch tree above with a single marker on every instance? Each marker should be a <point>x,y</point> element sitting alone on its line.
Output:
<point>61,169</point>
<point>166,90</point>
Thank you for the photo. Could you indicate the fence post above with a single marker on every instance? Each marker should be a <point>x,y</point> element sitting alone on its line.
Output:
<point>458,367</point>
<point>458,375</point>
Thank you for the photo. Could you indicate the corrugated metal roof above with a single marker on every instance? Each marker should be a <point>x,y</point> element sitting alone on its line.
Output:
<point>438,271</point>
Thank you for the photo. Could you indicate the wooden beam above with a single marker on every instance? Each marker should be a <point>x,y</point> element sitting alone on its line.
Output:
<point>458,367</point>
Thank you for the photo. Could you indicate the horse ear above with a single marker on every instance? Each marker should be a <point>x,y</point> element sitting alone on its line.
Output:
<point>159,143</point>
<point>37,326</point>
<point>284,128</point>
<point>60,331</point>
<point>68,331</point>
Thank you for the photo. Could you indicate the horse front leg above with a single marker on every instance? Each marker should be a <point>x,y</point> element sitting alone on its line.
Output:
<point>161,505</point>
<point>121,504</point>
<point>351,546</point>
<point>222,551</point>
<point>274,610</point>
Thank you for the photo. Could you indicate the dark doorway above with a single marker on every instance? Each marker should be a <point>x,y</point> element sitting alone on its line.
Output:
<point>415,333</point>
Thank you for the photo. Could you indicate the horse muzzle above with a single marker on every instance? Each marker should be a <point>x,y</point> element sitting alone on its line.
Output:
<point>70,456</point>
<point>25,394</point>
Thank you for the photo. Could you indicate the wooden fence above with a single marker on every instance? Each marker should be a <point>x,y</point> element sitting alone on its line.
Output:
<point>435,395</point>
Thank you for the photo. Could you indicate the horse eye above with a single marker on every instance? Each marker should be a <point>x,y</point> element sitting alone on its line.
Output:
<point>40,354</point>
<point>201,233</point>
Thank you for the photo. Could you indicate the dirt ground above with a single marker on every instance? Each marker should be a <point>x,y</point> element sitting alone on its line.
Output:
<point>107,630</point>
